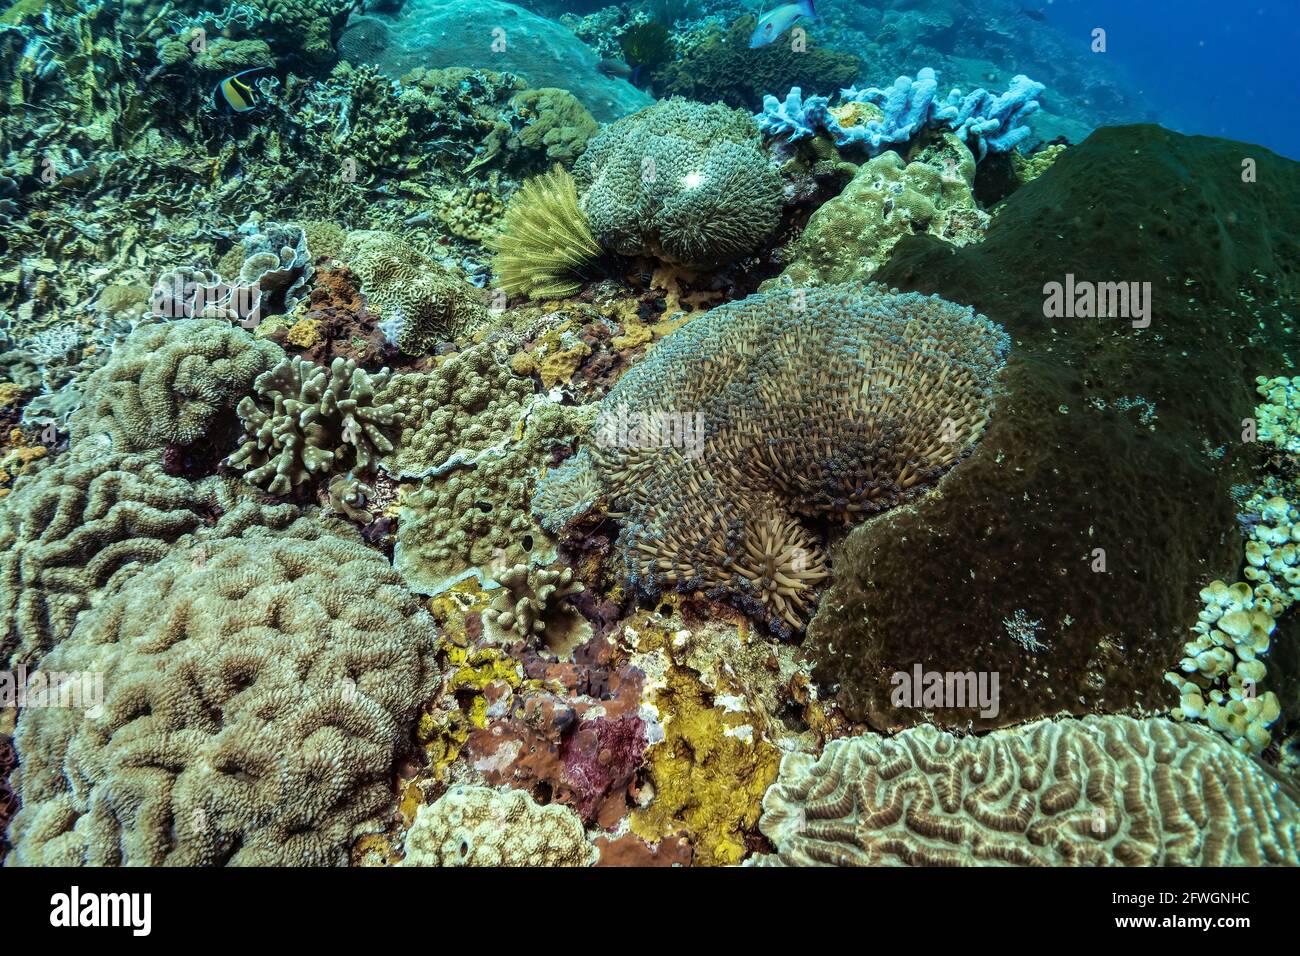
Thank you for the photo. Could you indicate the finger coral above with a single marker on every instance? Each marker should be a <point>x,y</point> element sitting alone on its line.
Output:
<point>255,702</point>
<point>545,240</point>
<point>422,303</point>
<point>829,404</point>
<point>525,596</point>
<point>682,181</point>
<point>171,383</point>
<point>479,826</point>
<point>308,421</point>
<point>1098,791</point>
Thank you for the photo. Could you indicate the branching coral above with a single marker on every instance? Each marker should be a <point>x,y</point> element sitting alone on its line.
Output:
<point>828,404</point>
<point>1096,791</point>
<point>172,383</point>
<point>256,701</point>
<point>545,240</point>
<point>422,304</point>
<point>307,421</point>
<point>525,597</point>
<point>479,826</point>
<point>682,181</point>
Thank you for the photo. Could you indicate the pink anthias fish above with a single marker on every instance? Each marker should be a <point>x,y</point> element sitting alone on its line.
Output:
<point>776,21</point>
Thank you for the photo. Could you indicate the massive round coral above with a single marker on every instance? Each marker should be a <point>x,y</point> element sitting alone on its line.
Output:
<point>255,698</point>
<point>742,433</point>
<point>682,181</point>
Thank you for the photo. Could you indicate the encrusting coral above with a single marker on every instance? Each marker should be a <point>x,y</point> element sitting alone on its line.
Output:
<point>681,181</point>
<point>1095,791</point>
<point>479,826</point>
<point>171,383</point>
<point>849,238</point>
<point>257,695</point>
<point>422,304</point>
<point>545,240</point>
<point>307,421</point>
<point>829,404</point>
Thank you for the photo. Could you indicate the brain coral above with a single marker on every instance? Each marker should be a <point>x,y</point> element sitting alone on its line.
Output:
<point>255,703</point>
<point>479,826</point>
<point>422,303</point>
<point>1096,791</point>
<point>682,181</point>
<point>822,405</point>
<point>307,420</point>
<point>171,383</point>
<point>71,531</point>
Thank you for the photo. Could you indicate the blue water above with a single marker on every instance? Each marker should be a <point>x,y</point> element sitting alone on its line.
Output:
<point>1217,67</point>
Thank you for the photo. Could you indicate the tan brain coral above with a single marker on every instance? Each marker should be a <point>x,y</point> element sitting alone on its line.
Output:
<point>257,695</point>
<point>1095,791</point>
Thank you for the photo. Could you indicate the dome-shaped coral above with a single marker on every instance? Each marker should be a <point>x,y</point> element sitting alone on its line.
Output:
<point>683,181</point>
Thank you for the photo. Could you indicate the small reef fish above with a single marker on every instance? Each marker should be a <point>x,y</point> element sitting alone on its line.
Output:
<point>776,21</point>
<point>236,92</point>
<point>614,68</point>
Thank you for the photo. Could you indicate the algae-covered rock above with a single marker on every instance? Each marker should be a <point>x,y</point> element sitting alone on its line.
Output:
<point>1077,509</point>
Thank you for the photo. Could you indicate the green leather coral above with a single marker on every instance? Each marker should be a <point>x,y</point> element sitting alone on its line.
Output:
<point>682,181</point>
<point>306,422</point>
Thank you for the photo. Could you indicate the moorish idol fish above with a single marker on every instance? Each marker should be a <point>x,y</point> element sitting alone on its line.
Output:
<point>776,21</point>
<point>238,94</point>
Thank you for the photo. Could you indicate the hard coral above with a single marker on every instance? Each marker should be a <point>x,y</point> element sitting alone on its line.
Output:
<point>256,702</point>
<point>826,404</point>
<point>172,383</point>
<point>525,596</point>
<point>682,181</point>
<point>1097,791</point>
<point>308,421</point>
<point>422,304</point>
<point>478,826</point>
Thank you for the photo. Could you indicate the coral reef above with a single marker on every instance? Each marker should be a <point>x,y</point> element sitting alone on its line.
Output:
<point>255,704</point>
<point>306,421</point>
<point>1096,791</point>
<point>172,383</point>
<point>545,241</point>
<point>479,826</point>
<point>830,404</point>
<point>681,181</point>
<point>850,237</point>
<point>420,302</point>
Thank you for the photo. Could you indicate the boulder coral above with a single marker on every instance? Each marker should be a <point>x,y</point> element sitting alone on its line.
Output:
<point>1099,791</point>
<point>421,303</point>
<point>681,181</point>
<point>172,383</point>
<point>255,703</point>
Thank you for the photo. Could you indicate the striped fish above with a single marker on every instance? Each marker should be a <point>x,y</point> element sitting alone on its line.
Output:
<point>236,92</point>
